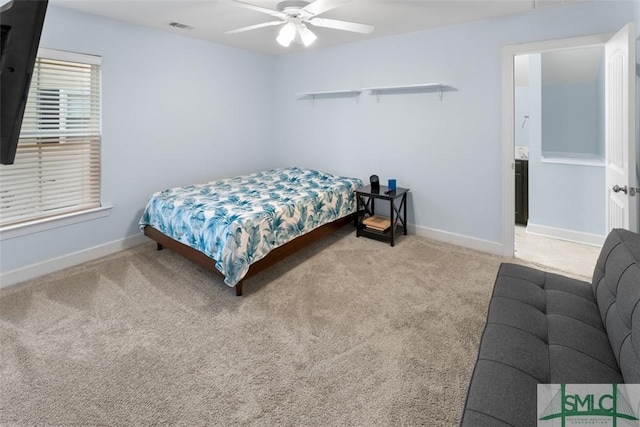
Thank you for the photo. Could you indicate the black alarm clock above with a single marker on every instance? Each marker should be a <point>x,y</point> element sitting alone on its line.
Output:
<point>375,183</point>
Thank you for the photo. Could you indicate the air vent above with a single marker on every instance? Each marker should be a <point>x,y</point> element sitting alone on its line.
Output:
<point>181,26</point>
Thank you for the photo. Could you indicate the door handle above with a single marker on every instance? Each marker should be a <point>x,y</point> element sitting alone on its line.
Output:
<point>617,188</point>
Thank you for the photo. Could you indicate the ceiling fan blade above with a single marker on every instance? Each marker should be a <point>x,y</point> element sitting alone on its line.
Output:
<point>341,25</point>
<point>320,6</point>
<point>260,9</point>
<point>254,27</point>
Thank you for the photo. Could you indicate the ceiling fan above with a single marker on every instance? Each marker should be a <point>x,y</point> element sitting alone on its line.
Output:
<point>296,14</point>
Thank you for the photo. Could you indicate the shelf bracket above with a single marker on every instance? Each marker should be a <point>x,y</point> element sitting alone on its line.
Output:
<point>440,93</point>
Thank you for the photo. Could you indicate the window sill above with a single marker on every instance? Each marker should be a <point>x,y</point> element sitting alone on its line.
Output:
<point>37,226</point>
<point>568,160</point>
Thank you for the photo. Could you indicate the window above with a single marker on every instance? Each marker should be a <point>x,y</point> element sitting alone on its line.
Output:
<point>57,164</point>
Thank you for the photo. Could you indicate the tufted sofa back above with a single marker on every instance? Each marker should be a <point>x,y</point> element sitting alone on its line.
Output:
<point>616,286</point>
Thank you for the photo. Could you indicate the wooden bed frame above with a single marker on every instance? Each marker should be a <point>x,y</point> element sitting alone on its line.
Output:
<point>272,257</point>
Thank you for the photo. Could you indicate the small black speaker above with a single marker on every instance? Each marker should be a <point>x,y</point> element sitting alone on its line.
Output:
<point>375,183</point>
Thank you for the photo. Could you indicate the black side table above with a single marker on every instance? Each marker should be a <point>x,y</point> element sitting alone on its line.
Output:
<point>365,207</point>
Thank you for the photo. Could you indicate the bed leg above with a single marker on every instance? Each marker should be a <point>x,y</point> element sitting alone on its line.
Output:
<point>239,289</point>
<point>159,247</point>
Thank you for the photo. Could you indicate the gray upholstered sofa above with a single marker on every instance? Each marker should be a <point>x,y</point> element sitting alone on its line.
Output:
<point>547,328</point>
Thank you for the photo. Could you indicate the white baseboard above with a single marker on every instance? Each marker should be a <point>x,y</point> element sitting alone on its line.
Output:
<point>456,239</point>
<point>564,234</point>
<point>39,269</point>
<point>36,270</point>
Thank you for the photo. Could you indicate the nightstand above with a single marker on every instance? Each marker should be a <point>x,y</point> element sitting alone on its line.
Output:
<point>365,205</point>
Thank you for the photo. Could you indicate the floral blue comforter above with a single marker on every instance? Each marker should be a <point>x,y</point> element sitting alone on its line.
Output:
<point>238,221</point>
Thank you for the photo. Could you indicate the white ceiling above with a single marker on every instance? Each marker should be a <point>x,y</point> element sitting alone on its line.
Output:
<point>211,18</point>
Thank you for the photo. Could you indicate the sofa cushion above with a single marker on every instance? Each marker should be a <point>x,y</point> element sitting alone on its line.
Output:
<point>616,284</point>
<point>541,328</point>
<point>570,325</point>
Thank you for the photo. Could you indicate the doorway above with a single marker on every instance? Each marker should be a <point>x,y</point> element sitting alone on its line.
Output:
<point>621,136</point>
<point>559,146</point>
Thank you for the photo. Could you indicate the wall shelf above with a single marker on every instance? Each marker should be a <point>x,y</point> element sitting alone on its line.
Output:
<point>331,94</point>
<point>377,91</point>
<point>424,87</point>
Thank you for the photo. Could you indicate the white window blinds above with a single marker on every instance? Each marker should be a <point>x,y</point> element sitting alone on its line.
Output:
<point>57,165</point>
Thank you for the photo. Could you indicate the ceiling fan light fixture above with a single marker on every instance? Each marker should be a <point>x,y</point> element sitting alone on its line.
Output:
<point>306,35</point>
<point>287,34</point>
<point>294,14</point>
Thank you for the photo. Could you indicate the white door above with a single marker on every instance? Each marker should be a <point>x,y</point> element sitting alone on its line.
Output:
<point>621,179</point>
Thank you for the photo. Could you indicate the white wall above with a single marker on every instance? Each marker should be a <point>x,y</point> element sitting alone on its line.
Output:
<point>175,111</point>
<point>521,110</point>
<point>448,153</point>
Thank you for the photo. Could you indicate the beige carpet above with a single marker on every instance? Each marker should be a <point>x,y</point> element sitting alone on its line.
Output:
<point>348,332</point>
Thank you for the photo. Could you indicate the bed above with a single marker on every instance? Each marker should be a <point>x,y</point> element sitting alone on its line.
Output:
<point>240,226</point>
